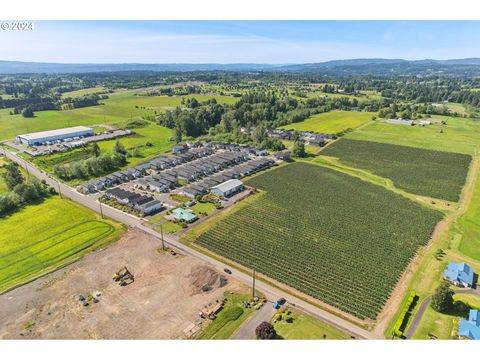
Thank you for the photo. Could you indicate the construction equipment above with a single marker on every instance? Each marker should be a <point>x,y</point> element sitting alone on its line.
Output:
<point>123,277</point>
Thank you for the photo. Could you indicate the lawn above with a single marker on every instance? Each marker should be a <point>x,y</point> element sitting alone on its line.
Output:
<point>305,327</point>
<point>207,208</point>
<point>332,122</point>
<point>168,227</point>
<point>119,107</point>
<point>436,174</point>
<point>83,92</point>
<point>438,324</point>
<point>229,319</point>
<point>319,231</point>
<point>42,236</point>
<point>458,135</point>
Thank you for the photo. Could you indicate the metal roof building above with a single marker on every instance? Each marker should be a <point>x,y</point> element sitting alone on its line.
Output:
<point>54,135</point>
<point>459,274</point>
<point>470,328</point>
<point>228,188</point>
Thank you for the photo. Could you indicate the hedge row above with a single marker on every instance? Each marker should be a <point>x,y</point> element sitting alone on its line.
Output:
<point>401,323</point>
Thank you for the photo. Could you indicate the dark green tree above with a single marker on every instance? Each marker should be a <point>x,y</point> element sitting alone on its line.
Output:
<point>299,149</point>
<point>119,148</point>
<point>178,134</point>
<point>442,300</point>
<point>28,112</point>
<point>12,175</point>
<point>265,331</point>
<point>96,150</point>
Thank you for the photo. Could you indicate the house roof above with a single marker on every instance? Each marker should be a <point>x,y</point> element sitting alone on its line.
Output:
<point>182,214</point>
<point>470,328</point>
<point>459,272</point>
<point>228,185</point>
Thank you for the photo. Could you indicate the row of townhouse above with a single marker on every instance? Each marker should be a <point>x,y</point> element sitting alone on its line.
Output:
<point>216,145</point>
<point>150,168</point>
<point>236,172</point>
<point>146,204</point>
<point>212,164</point>
<point>308,137</point>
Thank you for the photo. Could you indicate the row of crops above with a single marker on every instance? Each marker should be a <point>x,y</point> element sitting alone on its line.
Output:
<point>430,173</point>
<point>327,234</point>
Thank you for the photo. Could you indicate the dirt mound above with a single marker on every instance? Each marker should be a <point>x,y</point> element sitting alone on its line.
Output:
<point>204,278</point>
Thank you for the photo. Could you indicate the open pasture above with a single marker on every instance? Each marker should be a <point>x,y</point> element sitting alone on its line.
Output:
<point>119,107</point>
<point>430,173</point>
<point>332,122</point>
<point>42,236</point>
<point>335,237</point>
<point>458,135</point>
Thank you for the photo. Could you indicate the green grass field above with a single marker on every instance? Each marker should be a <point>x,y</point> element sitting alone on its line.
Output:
<point>207,208</point>
<point>82,92</point>
<point>332,122</point>
<point>119,107</point>
<point>42,236</point>
<point>168,227</point>
<point>320,230</point>
<point>441,325</point>
<point>459,135</point>
<point>430,173</point>
<point>305,327</point>
<point>229,319</point>
<point>467,226</point>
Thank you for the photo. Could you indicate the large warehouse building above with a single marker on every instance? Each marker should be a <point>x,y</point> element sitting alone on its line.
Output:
<point>43,137</point>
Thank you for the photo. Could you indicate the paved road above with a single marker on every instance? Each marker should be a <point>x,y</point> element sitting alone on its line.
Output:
<point>270,292</point>
<point>247,330</point>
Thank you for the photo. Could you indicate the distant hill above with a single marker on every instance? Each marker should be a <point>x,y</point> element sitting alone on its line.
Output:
<point>15,67</point>
<point>466,67</point>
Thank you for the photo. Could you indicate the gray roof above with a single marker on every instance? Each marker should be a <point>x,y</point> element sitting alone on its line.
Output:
<point>228,185</point>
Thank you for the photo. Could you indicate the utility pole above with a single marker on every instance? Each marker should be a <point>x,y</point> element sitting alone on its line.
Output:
<point>101,209</point>
<point>26,168</point>
<point>253,287</point>
<point>59,189</point>
<point>161,233</point>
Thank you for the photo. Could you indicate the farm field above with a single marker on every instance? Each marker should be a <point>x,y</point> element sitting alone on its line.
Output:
<point>119,107</point>
<point>424,172</point>
<point>332,122</point>
<point>306,327</point>
<point>41,236</point>
<point>83,92</point>
<point>459,135</point>
<point>335,237</point>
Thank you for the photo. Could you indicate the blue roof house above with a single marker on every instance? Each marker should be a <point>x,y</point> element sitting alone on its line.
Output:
<point>460,274</point>
<point>185,215</point>
<point>470,328</point>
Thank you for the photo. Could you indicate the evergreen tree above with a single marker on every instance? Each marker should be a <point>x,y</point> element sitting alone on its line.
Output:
<point>95,150</point>
<point>119,148</point>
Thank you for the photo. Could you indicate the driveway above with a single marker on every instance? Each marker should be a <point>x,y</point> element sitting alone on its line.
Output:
<point>247,330</point>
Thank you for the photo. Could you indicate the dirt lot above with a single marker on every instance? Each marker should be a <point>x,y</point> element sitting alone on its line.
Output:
<point>165,298</point>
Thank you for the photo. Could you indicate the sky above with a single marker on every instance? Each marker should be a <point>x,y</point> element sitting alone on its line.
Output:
<point>273,42</point>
